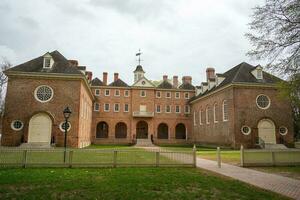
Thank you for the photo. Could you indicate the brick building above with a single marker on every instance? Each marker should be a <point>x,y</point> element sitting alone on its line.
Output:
<point>233,108</point>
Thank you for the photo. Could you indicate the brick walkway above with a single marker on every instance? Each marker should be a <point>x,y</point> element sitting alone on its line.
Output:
<point>283,185</point>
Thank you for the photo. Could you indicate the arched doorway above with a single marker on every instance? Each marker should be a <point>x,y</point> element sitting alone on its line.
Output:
<point>40,128</point>
<point>141,130</point>
<point>162,131</point>
<point>121,130</point>
<point>180,131</point>
<point>266,131</point>
<point>102,130</point>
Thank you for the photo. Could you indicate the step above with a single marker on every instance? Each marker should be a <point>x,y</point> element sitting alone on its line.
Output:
<point>275,146</point>
<point>144,143</point>
<point>35,145</point>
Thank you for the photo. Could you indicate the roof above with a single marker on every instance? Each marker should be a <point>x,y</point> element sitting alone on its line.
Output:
<point>240,74</point>
<point>119,83</point>
<point>139,68</point>
<point>165,85</point>
<point>186,86</point>
<point>97,82</point>
<point>61,65</point>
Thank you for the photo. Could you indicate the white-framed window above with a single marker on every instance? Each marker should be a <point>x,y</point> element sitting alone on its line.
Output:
<point>43,93</point>
<point>186,95</point>
<point>225,110</point>
<point>177,109</point>
<point>207,114</point>
<point>263,101</point>
<point>168,94</point>
<point>106,92</point>
<point>97,92</point>
<point>158,110</point>
<point>194,117</point>
<point>259,74</point>
<point>215,113</point>
<point>17,125</point>
<point>126,107</point>
<point>106,107</point>
<point>283,130</point>
<point>47,62</point>
<point>168,109</point>
<point>143,93</point>
<point>177,95</point>
<point>200,117</point>
<point>158,94</point>
<point>116,107</point>
<point>126,93</point>
<point>64,125</point>
<point>246,130</point>
<point>186,109</point>
<point>117,93</point>
<point>96,107</point>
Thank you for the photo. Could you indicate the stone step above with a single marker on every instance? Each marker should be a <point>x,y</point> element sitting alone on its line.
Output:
<point>36,145</point>
<point>275,146</point>
<point>144,143</point>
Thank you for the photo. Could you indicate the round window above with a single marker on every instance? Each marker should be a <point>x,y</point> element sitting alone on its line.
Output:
<point>17,125</point>
<point>64,125</point>
<point>283,130</point>
<point>143,82</point>
<point>263,101</point>
<point>246,130</point>
<point>43,93</point>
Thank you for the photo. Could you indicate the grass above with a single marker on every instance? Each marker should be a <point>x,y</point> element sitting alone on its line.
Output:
<point>124,183</point>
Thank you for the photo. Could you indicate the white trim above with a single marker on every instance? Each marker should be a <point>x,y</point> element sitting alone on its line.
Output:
<point>16,129</point>
<point>223,110</point>
<point>267,98</point>
<point>215,114</point>
<point>286,130</point>
<point>200,117</point>
<point>97,90</point>
<point>166,108</point>
<point>116,92</point>
<point>125,93</point>
<point>194,118</point>
<point>125,107</point>
<point>108,92</point>
<point>159,108</point>
<point>104,109</point>
<point>158,92</point>
<point>246,133</point>
<point>168,96</point>
<point>63,130</point>
<point>141,91</point>
<point>35,95</point>
<point>189,109</point>
<point>115,107</point>
<point>188,95</point>
<point>207,114</point>
<point>178,95</point>
<point>179,110</point>
<point>95,106</point>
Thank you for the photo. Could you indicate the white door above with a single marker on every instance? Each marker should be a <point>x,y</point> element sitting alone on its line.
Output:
<point>40,126</point>
<point>266,131</point>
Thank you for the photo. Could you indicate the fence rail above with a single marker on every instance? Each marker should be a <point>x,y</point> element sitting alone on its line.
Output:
<point>13,157</point>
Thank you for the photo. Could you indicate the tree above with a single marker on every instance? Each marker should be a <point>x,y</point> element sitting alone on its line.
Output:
<point>276,35</point>
<point>5,64</point>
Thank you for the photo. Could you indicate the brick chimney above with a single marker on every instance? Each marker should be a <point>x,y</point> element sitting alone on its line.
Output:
<point>116,76</point>
<point>74,63</point>
<point>89,75</point>
<point>210,73</point>
<point>175,81</point>
<point>165,77</point>
<point>104,78</point>
<point>187,79</point>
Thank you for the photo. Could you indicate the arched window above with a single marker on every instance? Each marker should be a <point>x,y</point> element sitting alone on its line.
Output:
<point>102,130</point>
<point>225,110</point>
<point>200,117</point>
<point>180,131</point>
<point>215,113</point>
<point>207,114</point>
<point>194,116</point>
<point>162,131</point>
<point>121,130</point>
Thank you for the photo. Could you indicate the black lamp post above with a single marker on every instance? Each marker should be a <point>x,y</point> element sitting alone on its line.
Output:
<point>67,113</point>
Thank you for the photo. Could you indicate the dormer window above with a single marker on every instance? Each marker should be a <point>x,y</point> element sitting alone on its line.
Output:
<point>48,61</point>
<point>258,73</point>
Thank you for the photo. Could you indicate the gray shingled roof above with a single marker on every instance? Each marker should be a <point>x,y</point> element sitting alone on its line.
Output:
<point>139,68</point>
<point>119,83</point>
<point>61,65</point>
<point>240,74</point>
<point>97,82</point>
<point>165,85</point>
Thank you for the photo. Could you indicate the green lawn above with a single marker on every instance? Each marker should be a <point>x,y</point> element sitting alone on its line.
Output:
<point>124,183</point>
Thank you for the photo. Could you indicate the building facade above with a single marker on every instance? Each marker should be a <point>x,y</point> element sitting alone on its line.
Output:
<point>238,107</point>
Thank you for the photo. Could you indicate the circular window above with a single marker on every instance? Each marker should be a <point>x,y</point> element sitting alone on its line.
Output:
<point>17,125</point>
<point>263,101</point>
<point>283,130</point>
<point>246,130</point>
<point>63,125</point>
<point>43,93</point>
<point>143,82</point>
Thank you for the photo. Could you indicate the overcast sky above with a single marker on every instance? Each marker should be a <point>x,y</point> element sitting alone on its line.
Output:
<point>177,37</point>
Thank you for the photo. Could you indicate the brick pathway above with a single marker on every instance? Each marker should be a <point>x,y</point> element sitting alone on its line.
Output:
<point>283,185</point>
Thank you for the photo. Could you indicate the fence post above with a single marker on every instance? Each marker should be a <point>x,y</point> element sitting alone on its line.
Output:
<point>242,155</point>
<point>24,158</point>
<point>115,158</point>
<point>70,158</point>
<point>194,156</point>
<point>219,157</point>
<point>157,158</point>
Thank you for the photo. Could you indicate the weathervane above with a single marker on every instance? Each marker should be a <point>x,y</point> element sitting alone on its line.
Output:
<point>139,55</point>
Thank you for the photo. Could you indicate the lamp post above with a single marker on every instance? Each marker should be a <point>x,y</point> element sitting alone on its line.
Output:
<point>67,112</point>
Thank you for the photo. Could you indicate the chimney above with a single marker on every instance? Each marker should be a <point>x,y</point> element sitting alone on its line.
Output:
<point>73,63</point>
<point>210,73</point>
<point>165,77</point>
<point>104,78</point>
<point>175,81</point>
<point>116,76</point>
<point>89,75</point>
<point>187,79</point>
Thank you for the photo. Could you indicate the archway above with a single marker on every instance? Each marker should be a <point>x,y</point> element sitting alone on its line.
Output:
<point>121,130</point>
<point>180,131</point>
<point>141,130</point>
<point>40,128</point>
<point>102,130</point>
<point>266,131</point>
<point>162,131</point>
